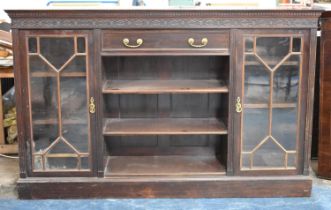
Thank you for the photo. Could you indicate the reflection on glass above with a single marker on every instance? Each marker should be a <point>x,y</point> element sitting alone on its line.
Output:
<point>44,135</point>
<point>257,81</point>
<point>57,50</point>
<point>57,96</point>
<point>37,65</point>
<point>61,163</point>
<point>291,160</point>
<point>249,44</point>
<point>255,127</point>
<point>38,164</point>
<point>61,148</point>
<point>32,45</point>
<point>85,163</point>
<point>73,99</point>
<point>269,155</point>
<point>296,46</point>
<point>81,45</point>
<point>286,81</point>
<point>246,160</point>
<point>76,135</point>
<point>284,124</point>
<point>275,146</point>
<point>78,64</point>
<point>272,49</point>
<point>43,98</point>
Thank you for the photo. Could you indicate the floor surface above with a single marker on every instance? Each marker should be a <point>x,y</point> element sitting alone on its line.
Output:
<point>320,199</point>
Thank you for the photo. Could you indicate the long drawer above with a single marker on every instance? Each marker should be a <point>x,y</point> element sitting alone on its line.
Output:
<point>165,41</point>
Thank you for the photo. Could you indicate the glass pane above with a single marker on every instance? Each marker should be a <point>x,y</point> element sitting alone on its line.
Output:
<point>286,81</point>
<point>291,160</point>
<point>284,127</point>
<point>57,50</point>
<point>246,160</point>
<point>272,49</point>
<point>37,65</point>
<point>78,64</point>
<point>60,148</point>
<point>77,136</point>
<point>269,155</point>
<point>44,114</point>
<point>74,112</point>
<point>37,162</point>
<point>257,81</point>
<point>84,162</point>
<point>249,44</point>
<point>44,103</point>
<point>81,45</point>
<point>69,137</point>
<point>32,45</point>
<point>296,46</point>
<point>44,135</point>
<point>61,163</point>
<point>255,127</point>
<point>73,99</point>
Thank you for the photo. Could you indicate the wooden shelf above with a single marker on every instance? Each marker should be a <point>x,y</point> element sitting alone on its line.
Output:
<point>62,74</point>
<point>163,126</point>
<point>163,165</point>
<point>164,86</point>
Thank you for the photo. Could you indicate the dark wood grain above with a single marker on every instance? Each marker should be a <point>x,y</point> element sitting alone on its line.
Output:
<point>176,115</point>
<point>162,41</point>
<point>164,187</point>
<point>161,19</point>
<point>324,141</point>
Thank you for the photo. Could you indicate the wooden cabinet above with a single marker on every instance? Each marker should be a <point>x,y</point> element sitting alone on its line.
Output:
<point>164,103</point>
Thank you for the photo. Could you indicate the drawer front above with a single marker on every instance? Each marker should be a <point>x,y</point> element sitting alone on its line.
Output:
<point>162,40</point>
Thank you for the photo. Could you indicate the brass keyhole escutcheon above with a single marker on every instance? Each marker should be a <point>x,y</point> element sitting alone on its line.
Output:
<point>92,105</point>
<point>238,106</point>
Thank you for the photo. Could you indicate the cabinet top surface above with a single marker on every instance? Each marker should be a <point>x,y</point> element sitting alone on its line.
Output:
<point>168,11</point>
<point>164,18</point>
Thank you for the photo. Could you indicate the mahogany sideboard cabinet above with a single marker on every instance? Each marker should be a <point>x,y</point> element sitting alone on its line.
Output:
<point>164,103</point>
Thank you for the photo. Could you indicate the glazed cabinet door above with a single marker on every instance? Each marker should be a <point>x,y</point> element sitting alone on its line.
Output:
<point>60,101</point>
<point>271,86</point>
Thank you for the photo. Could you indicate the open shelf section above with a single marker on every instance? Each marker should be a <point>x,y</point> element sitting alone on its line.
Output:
<point>175,165</point>
<point>164,86</point>
<point>163,126</point>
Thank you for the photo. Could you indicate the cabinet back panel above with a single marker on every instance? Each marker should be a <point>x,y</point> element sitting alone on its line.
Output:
<point>165,145</point>
<point>165,105</point>
<point>166,67</point>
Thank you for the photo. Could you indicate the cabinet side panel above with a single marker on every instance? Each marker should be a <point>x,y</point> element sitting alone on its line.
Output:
<point>324,145</point>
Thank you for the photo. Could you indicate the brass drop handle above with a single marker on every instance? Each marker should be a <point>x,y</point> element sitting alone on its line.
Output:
<point>204,42</point>
<point>238,106</point>
<point>126,42</point>
<point>92,105</point>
